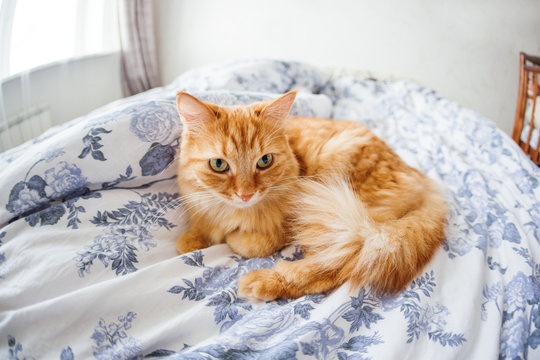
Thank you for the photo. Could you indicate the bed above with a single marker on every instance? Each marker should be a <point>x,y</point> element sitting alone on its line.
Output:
<point>90,213</point>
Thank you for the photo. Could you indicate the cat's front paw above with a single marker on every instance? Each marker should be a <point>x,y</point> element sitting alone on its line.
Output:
<point>263,284</point>
<point>183,248</point>
<point>190,241</point>
<point>253,244</point>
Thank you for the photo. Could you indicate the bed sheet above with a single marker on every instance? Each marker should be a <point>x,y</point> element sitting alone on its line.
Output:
<point>89,216</point>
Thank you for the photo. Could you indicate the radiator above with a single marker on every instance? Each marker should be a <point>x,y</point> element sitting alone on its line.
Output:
<point>24,126</point>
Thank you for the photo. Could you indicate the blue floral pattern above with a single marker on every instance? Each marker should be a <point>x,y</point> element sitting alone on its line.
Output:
<point>155,123</point>
<point>90,214</point>
<point>63,180</point>
<point>2,254</point>
<point>429,319</point>
<point>128,230</point>
<point>16,351</point>
<point>92,144</point>
<point>34,199</point>
<point>112,342</point>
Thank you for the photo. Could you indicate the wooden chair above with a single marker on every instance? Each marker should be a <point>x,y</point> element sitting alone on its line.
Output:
<point>527,107</point>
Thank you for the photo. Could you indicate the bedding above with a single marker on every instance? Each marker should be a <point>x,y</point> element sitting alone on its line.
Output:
<point>90,213</point>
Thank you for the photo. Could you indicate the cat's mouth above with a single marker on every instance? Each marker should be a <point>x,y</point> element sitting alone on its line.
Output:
<point>243,201</point>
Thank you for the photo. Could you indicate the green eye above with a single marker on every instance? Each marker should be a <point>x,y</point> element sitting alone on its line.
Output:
<point>219,165</point>
<point>265,161</point>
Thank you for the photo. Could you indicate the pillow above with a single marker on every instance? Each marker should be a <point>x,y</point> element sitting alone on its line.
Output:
<point>306,104</point>
<point>269,76</point>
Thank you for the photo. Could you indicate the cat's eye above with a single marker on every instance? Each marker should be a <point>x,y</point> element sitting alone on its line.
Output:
<point>218,165</point>
<point>265,161</point>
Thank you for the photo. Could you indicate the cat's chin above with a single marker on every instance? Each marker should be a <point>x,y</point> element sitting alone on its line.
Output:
<point>241,205</point>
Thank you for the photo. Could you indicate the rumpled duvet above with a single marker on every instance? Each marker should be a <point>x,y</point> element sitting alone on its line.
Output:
<point>90,213</point>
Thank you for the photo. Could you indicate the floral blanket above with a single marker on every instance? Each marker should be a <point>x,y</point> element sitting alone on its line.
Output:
<point>89,216</point>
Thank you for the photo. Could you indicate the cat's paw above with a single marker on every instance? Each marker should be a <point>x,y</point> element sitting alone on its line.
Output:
<point>188,242</point>
<point>253,244</point>
<point>264,284</point>
<point>183,248</point>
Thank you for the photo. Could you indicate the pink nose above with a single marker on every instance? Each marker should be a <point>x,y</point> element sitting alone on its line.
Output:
<point>245,197</point>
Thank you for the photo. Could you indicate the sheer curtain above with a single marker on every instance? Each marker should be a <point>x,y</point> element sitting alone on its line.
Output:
<point>7,10</point>
<point>139,59</point>
<point>61,37</point>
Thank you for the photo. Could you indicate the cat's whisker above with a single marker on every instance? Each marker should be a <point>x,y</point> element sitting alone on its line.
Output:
<point>174,205</point>
<point>170,205</point>
<point>195,196</point>
<point>190,205</point>
<point>198,199</point>
<point>155,218</point>
<point>204,207</point>
<point>199,203</point>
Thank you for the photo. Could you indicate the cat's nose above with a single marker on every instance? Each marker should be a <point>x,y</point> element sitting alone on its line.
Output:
<point>245,197</point>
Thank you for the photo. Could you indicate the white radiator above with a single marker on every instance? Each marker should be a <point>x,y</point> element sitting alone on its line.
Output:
<point>25,126</point>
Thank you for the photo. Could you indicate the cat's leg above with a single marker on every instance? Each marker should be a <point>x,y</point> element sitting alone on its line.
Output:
<point>288,280</point>
<point>254,244</point>
<point>191,240</point>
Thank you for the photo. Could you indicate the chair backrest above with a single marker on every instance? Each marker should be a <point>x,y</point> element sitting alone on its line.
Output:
<point>526,131</point>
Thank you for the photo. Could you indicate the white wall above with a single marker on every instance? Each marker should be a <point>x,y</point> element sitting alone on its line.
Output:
<point>70,88</point>
<point>466,50</point>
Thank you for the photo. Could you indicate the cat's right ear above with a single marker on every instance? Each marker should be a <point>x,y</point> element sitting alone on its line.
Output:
<point>278,109</point>
<point>192,111</point>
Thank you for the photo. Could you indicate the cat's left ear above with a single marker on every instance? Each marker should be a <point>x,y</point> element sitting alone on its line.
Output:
<point>192,111</point>
<point>278,109</point>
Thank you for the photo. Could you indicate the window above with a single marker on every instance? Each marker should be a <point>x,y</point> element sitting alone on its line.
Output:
<point>43,32</point>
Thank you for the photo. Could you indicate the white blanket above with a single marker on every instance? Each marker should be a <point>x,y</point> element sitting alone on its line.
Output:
<point>89,217</point>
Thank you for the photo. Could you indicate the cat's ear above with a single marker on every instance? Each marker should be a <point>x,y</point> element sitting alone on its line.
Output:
<point>278,109</point>
<point>192,111</point>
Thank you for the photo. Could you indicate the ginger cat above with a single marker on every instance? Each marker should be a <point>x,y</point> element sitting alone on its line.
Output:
<point>258,180</point>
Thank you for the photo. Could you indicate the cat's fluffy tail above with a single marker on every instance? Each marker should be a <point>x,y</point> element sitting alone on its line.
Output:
<point>335,229</point>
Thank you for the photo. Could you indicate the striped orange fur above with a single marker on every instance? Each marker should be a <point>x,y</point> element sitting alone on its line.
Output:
<point>359,213</point>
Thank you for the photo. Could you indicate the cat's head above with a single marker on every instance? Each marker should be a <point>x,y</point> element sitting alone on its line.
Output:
<point>236,154</point>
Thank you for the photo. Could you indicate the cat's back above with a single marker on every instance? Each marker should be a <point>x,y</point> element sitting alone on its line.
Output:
<point>325,145</point>
<point>330,148</point>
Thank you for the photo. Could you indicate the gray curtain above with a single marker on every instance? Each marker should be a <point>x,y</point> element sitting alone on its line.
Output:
<point>138,46</point>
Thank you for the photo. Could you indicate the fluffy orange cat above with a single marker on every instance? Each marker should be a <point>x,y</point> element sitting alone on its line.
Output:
<point>257,180</point>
